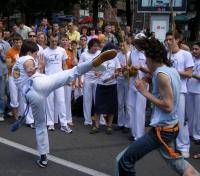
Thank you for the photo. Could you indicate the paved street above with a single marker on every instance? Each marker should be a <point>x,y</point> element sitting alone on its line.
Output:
<point>77,154</point>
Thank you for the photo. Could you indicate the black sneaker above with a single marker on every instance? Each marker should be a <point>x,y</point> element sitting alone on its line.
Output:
<point>42,162</point>
<point>94,130</point>
<point>131,138</point>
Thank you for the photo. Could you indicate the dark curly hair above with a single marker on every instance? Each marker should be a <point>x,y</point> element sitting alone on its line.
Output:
<point>154,49</point>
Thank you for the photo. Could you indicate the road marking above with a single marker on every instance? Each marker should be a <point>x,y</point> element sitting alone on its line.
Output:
<point>54,159</point>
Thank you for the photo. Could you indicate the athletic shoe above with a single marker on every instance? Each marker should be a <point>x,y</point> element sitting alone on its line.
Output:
<point>185,154</point>
<point>131,138</point>
<point>31,125</point>
<point>94,130</point>
<point>1,118</point>
<point>66,129</point>
<point>107,55</point>
<point>42,162</point>
<point>51,128</point>
<point>109,130</point>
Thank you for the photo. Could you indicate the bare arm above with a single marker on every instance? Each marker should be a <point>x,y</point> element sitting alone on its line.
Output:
<point>187,73</point>
<point>165,101</point>
<point>64,65</point>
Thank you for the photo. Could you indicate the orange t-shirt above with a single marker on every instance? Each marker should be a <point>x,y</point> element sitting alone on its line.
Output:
<point>12,54</point>
<point>70,58</point>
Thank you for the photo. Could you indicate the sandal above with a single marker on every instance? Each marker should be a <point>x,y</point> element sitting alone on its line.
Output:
<point>196,156</point>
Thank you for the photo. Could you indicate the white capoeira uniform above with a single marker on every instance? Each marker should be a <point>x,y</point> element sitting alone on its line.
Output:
<point>122,92</point>
<point>193,102</point>
<point>16,98</point>
<point>181,61</point>
<point>29,116</point>
<point>37,88</point>
<point>89,87</point>
<point>55,106</point>
<point>136,101</point>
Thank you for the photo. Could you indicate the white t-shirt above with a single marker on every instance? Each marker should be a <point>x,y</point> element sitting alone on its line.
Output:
<point>193,85</point>
<point>111,66</point>
<point>22,82</point>
<point>122,60</point>
<point>182,60</point>
<point>86,56</point>
<point>54,59</point>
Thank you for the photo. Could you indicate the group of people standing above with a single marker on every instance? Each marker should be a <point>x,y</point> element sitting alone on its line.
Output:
<point>116,88</point>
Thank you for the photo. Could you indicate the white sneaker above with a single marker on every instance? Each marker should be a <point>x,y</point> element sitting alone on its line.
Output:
<point>51,128</point>
<point>185,154</point>
<point>66,129</point>
<point>1,118</point>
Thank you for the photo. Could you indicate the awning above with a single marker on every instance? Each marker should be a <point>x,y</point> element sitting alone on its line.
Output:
<point>182,17</point>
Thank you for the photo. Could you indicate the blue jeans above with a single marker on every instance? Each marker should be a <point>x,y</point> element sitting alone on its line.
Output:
<point>146,144</point>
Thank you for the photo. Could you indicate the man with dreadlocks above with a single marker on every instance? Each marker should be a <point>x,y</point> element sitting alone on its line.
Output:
<point>164,120</point>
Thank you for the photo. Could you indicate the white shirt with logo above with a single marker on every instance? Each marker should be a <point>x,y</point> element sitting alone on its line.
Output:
<point>111,66</point>
<point>54,59</point>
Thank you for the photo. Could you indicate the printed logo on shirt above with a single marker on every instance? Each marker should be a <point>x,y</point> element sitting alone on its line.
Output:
<point>175,63</point>
<point>16,73</point>
<point>53,59</point>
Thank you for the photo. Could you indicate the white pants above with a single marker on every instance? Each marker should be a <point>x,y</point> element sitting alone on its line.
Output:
<point>68,99</point>
<point>42,86</point>
<point>122,92</point>
<point>16,99</point>
<point>89,89</point>
<point>14,93</point>
<point>183,140</point>
<point>193,114</point>
<point>136,112</point>
<point>55,107</point>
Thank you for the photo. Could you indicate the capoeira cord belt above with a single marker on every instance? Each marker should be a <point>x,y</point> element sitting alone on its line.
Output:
<point>169,149</point>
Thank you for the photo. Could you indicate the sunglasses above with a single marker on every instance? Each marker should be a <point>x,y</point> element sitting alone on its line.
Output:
<point>32,36</point>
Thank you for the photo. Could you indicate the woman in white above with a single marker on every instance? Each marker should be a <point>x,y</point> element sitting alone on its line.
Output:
<point>106,94</point>
<point>193,96</point>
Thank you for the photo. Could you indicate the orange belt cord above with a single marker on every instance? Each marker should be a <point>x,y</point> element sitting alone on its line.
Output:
<point>169,150</point>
